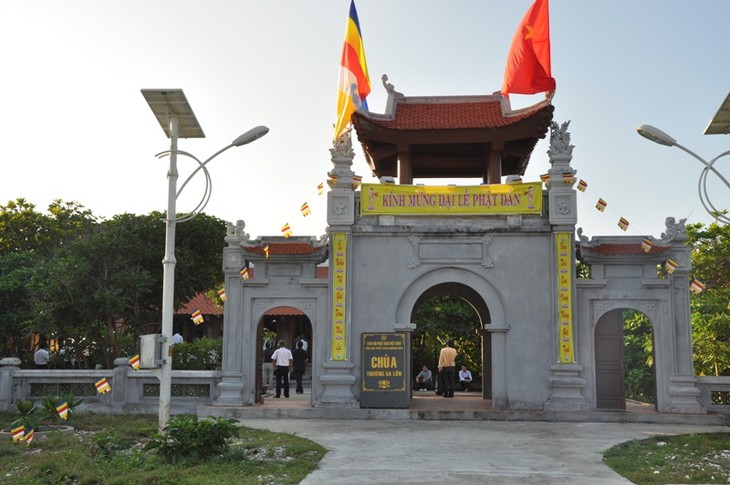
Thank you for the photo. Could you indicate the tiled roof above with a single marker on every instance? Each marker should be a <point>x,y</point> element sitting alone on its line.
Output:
<point>283,311</point>
<point>322,272</point>
<point>285,248</point>
<point>202,303</point>
<point>616,249</point>
<point>448,115</point>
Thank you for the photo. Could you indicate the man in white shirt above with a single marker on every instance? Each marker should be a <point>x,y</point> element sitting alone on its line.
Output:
<point>281,360</point>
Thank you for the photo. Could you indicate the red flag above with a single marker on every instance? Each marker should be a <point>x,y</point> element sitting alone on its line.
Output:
<point>528,62</point>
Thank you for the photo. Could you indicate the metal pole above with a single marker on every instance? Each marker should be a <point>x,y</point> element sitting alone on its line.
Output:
<point>168,281</point>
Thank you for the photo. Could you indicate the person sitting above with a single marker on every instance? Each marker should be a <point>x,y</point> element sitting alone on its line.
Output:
<point>424,379</point>
<point>465,378</point>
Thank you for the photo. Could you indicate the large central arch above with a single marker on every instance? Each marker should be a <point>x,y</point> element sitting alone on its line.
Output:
<point>476,290</point>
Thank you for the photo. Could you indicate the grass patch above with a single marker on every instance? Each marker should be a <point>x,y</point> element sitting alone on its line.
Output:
<point>109,449</point>
<point>688,458</point>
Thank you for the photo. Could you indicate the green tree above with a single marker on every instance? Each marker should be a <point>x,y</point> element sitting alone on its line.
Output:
<point>440,319</point>
<point>639,357</point>
<point>710,246</point>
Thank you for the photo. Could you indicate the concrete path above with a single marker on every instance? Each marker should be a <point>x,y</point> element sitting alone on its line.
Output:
<point>466,452</point>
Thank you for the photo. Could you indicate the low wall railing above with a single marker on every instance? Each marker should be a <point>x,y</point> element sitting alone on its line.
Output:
<point>714,393</point>
<point>133,391</point>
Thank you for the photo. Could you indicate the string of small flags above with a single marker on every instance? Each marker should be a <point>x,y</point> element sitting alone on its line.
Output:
<point>197,317</point>
<point>134,362</point>
<point>102,386</point>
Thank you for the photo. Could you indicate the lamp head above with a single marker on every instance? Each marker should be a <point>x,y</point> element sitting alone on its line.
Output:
<point>656,135</point>
<point>251,135</point>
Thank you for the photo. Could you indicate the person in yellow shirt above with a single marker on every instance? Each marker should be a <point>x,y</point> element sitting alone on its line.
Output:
<point>447,369</point>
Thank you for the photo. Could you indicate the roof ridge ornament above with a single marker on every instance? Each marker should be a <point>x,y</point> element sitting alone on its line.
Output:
<point>560,139</point>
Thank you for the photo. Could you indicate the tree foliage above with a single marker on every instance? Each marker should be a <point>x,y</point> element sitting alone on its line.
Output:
<point>88,282</point>
<point>440,319</point>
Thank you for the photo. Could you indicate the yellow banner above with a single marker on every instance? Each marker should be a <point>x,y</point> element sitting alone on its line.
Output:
<point>384,199</point>
<point>339,295</point>
<point>565,297</point>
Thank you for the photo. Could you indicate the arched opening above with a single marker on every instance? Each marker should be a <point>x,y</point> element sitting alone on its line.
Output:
<point>624,354</point>
<point>452,311</point>
<point>280,323</point>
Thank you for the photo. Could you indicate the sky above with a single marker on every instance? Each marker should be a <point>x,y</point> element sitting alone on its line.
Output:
<point>75,126</point>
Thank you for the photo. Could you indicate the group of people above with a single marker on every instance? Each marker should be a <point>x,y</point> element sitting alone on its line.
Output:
<point>447,373</point>
<point>283,359</point>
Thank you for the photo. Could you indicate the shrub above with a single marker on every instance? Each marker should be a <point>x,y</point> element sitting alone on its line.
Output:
<point>187,438</point>
<point>200,354</point>
<point>49,406</point>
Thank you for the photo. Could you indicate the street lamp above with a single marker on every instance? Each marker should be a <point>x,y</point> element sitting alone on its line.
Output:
<point>658,136</point>
<point>172,110</point>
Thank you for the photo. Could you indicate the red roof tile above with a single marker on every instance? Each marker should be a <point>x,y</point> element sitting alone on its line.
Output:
<point>454,115</point>
<point>283,311</point>
<point>616,249</point>
<point>284,248</point>
<point>202,303</point>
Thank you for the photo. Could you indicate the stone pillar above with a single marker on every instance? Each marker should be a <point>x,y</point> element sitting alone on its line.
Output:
<point>119,383</point>
<point>336,340</point>
<point>500,398</point>
<point>565,381</point>
<point>683,390</point>
<point>231,385</point>
<point>8,366</point>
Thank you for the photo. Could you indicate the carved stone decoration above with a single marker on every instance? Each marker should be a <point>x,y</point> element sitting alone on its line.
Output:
<point>673,229</point>
<point>342,145</point>
<point>260,306</point>
<point>560,139</point>
<point>235,234</point>
<point>601,307</point>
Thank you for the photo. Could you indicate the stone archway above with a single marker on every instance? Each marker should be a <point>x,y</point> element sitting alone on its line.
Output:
<point>482,296</point>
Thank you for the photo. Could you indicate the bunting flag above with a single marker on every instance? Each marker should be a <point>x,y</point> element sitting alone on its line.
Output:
<point>601,205</point>
<point>222,294</point>
<point>623,224</point>
<point>320,188</point>
<point>244,272</point>
<point>582,185</point>
<point>728,305</point>
<point>17,433</point>
<point>331,178</point>
<point>697,286</point>
<point>354,84</point>
<point>528,68</point>
<point>545,178</point>
<point>305,209</point>
<point>266,248</point>
<point>670,265</point>
<point>29,436</point>
<point>102,386</point>
<point>356,181</point>
<point>568,178</point>
<point>286,231</point>
<point>62,409</point>
<point>646,245</point>
<point>134,362</point>
<point>197,317</point>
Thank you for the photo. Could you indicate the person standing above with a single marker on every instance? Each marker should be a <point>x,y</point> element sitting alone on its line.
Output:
<point>447,368</point>
<point>465,378</point>
<point>300,365</point>
<point>42,357</point>
<point>281,360</point>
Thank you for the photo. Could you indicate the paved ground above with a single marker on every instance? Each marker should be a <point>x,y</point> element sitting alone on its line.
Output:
<point>466,452</point>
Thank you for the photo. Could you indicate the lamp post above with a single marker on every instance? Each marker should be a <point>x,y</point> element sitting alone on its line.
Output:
<point>177,119</point>
<point>658,136</point>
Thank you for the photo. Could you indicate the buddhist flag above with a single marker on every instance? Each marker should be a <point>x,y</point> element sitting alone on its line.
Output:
<point>728,305</point>
<point>197,317</point>
<point>568,178</point>
<point>528,63</point>
<point>623,224</point>
<point>356,181</point>
<point>244,272</point>
<point>102,386</point>
<point>286,230</point>
<point>670,265</point>
<point>582,185</point>
<point>354,84</point>
<point>646,245</point>
<point>320,188</point>
<point>62,409</point>
<point>266,249</point>
<point>134,362</point>
<point>545,178</point>
<point>17,433</point>
<point>697,286</point>
<point>222,294</point>
<point>305,209</point>
<point>29,436</point>
<point>331,178</point>
<point>601,205</point>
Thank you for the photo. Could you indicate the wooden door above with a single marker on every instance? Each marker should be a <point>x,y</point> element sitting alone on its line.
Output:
<point>609,342</point>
